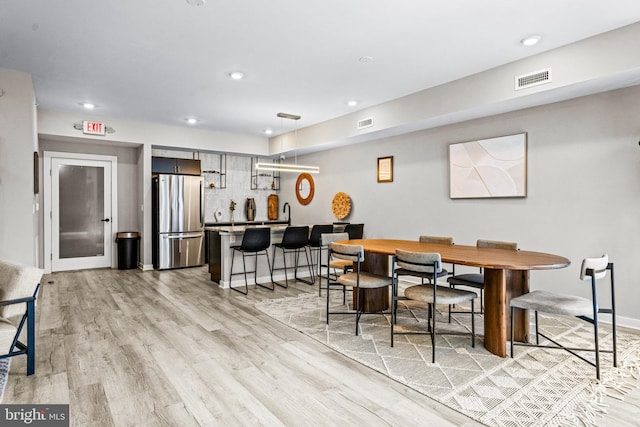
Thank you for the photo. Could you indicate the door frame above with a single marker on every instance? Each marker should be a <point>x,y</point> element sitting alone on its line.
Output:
<point>47,202</point>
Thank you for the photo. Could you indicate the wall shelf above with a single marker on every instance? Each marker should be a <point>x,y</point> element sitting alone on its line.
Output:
<point>216,178</point>
<point>262,180</point>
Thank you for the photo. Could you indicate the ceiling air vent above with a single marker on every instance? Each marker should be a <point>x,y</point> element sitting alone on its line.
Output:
<point>365,123</point>
<point>533,79</point>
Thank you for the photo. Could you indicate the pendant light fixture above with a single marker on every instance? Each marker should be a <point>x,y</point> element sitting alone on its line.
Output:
<point>284,167</point>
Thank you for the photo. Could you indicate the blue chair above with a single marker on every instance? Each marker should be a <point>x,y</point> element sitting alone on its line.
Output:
<point>19,287</point>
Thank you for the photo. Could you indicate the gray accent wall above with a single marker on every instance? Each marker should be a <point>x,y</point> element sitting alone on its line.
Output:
<point>583,189</point>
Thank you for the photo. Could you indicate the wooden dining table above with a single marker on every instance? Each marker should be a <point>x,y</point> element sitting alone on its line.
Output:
<point>506,275</point>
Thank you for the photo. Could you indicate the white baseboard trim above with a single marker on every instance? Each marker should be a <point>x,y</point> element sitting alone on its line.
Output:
<point>145,267</point>
<point>626,322</point>
<point>266,280</point>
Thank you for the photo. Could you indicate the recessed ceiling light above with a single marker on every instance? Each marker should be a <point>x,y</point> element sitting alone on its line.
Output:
<point>530,40</point>
<point>236,75</point>
<point>196,2</point>
<point>88,105</point>
<point>191,120</point>
<point>268,131</point>
<point>352,103</point>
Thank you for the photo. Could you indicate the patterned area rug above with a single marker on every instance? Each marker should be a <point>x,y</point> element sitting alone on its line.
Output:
<point>537,387</point>
<point>4,375</point>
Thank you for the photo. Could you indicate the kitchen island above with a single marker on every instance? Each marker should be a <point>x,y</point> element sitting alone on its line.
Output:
<point>221,238</point>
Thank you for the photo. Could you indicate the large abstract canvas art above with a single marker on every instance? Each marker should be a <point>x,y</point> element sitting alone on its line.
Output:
<point>495,167</point>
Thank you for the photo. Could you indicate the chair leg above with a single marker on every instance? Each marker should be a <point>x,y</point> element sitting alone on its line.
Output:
<point>272,288</point>
<point>433,333</point>
<point>537,329</point>
<point>328,289</point>
<point>613,316</point>
<point>246,290</point>
<point>273,268</point>
<point>513,311</point>
<point>357,307</point>
<point>595,338</point>
<point>306,256</point>
<point>309,259</point>
<point>31,338</point>
<point>473,325</point>
<point>394,307</point>
<point>319,267</point>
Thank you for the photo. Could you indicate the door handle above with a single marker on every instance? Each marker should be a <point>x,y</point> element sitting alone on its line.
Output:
<point>105,220</point>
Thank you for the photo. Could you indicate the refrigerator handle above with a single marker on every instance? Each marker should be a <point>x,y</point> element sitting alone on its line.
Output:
<point>201,202</point>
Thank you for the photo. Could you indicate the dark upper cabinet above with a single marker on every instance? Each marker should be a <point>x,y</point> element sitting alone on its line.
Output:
<point>175,166</point>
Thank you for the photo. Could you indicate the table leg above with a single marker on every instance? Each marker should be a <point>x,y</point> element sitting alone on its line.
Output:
<point>374,300</point>
<point>376,264</point>
<point>499,287</point>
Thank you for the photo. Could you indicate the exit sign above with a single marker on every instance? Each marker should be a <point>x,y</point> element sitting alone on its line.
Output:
<point>94,128</point>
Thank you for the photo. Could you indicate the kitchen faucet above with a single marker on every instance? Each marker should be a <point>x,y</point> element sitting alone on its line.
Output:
<point>284,209</point>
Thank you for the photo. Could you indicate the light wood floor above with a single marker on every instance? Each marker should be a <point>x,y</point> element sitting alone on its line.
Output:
<point>132,348</point>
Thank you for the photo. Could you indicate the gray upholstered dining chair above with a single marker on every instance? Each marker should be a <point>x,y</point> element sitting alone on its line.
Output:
<point>337,266</point>
<point>440,240</point>
<point>19,286</point>
<point>423,274</point>
<point>356,279</point>
<point>476,280</point>
<point>593,270</point>
<point>431,294</point>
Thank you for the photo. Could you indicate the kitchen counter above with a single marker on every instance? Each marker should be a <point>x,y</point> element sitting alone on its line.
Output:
<point>222,237</point>
<point>236,223</point>
<point>239,229</point>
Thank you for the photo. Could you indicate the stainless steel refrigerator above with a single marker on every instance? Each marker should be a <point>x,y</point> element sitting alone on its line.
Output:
<point>178,221</point>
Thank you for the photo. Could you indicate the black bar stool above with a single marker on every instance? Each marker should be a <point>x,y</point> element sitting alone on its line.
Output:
<point>315,244</point>
<point>254,241</point>
<point>355,231</point>
<point>294,240</point>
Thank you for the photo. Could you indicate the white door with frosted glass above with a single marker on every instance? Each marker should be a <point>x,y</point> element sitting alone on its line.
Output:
<point>81,214</point>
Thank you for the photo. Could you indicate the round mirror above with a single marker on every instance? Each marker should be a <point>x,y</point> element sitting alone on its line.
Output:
<point>304,188</point>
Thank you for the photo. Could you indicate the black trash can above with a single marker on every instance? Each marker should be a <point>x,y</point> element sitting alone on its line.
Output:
<point>128,242</point>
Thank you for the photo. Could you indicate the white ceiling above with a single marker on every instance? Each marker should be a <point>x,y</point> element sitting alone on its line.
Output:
<point>164,60</point>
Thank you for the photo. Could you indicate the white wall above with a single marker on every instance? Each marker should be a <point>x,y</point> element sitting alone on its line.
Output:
<point>60,124</point>
<point>18,142</point>
<point>583,189</point>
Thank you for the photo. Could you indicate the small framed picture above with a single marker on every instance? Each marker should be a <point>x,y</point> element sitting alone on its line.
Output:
<point>385,169</point>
